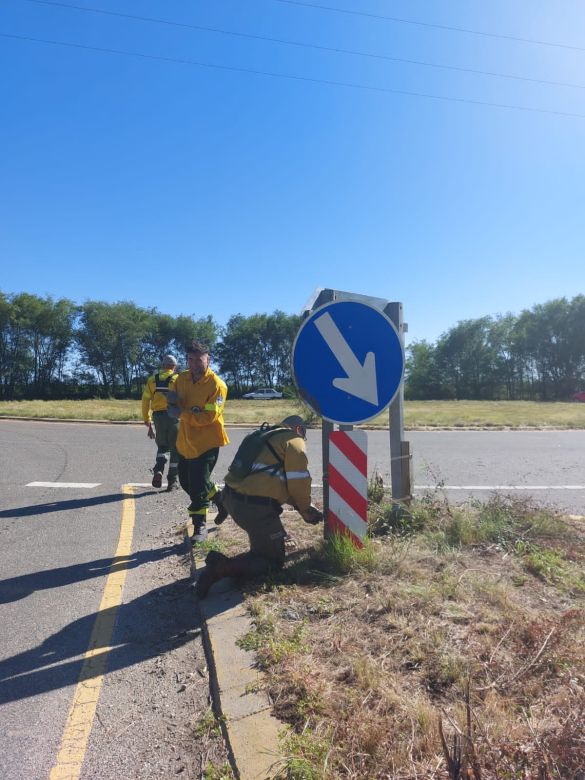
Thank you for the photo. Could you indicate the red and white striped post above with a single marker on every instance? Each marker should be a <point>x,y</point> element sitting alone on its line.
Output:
<point>348,485</point>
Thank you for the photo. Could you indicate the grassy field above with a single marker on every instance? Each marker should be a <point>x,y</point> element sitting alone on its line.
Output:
<point>418,414</point>
<point>463,622</point>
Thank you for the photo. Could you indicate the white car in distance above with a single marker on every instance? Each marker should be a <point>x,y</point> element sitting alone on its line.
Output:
<point>263,394</point>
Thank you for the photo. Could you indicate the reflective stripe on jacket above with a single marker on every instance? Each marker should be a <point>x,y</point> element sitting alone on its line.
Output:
<point>289,482</point>
<point>155,399</point>
<point>204,429</point>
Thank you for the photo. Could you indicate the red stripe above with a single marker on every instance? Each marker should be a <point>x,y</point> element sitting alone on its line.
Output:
<point>336,527</point>
<point>351,451</point>
<point>348,493</point>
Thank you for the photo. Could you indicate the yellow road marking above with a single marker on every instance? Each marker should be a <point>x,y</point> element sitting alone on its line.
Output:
<point>84,705</point>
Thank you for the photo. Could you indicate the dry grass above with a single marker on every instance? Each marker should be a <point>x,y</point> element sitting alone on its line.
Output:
<point>418,414</point>
<point>443,618</point>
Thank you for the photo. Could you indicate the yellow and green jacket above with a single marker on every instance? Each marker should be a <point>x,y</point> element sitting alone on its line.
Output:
<point>289,482</point>
<point>154,397</point>
<point>201,430</point>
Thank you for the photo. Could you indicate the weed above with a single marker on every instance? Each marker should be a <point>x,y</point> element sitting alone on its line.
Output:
<point>341,556</point>
<point>306,755</point>
<point>223,772</point>
<point>208,725</point>
<point>201,549</point>
<point>550,565</point>
<point>376,489</point>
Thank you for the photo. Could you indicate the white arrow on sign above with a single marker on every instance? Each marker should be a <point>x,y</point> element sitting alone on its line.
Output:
<point>361,379</point>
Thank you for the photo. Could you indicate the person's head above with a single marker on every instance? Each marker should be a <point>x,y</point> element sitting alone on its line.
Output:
<point>296,424</point>
<point>197,359</point>
<point>169,361</point>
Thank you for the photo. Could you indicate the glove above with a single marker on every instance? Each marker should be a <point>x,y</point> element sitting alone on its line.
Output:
<point>313,516</point>
<point>150,433</point>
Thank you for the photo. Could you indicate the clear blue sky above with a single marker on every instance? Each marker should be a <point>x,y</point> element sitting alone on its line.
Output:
<point>209,190</point>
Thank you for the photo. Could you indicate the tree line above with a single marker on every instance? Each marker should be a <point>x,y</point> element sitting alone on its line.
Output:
<point>58,349</point>
<point>55,349</point>
<point>537,356</point>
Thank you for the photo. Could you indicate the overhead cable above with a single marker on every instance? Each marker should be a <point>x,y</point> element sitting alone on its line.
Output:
<point>444,27</point>
<point>302,44</point>
<point>292,77</point>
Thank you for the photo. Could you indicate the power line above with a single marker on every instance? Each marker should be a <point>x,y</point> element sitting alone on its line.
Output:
<point>302,44</point>
<point>444,27</point>
<point>292,77</point>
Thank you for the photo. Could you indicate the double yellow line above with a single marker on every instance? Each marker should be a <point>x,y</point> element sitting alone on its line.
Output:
<point>85,700</point>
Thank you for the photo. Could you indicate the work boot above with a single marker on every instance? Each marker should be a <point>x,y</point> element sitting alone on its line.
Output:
<point>244,566</point>
<point>217,566</point>
<point>172,484</point>
<point>222,513</point>
<point>157,479</point>
<point>214,557</point>
<point>199,530</point>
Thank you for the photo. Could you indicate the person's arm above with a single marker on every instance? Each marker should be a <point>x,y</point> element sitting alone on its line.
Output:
<point>297,474</point>
<point>200,416</point>
<point>146,400</point>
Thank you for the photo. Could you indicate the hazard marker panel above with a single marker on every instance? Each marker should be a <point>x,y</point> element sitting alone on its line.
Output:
<point>348,484</point>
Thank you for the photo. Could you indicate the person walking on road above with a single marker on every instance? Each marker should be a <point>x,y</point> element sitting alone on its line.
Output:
<point>256,486</point>
<point>154,413</point>
<point>197,398</point>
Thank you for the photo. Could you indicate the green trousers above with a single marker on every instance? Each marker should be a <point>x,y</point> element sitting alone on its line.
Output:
<point>166,429</point>
<point>195,479</point>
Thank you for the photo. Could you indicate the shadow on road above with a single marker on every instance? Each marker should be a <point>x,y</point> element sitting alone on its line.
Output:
<point>149,626</point>
<point>75,503</point>
<point>19,587</point>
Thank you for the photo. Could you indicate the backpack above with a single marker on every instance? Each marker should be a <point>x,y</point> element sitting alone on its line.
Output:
<point>250,448</point>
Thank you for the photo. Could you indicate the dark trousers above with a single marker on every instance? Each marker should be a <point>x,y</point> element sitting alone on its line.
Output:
<point>165,428</point>
<point>262,524</point>
<point>195,479</point>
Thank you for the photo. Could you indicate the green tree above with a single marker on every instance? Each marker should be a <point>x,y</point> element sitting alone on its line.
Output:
<point>423,378</point>
<point>110,338</point>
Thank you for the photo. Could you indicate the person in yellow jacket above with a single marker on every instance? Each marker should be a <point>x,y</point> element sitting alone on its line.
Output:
<point>154,412</point>
<point>278,475</point>
<point>198,397</point>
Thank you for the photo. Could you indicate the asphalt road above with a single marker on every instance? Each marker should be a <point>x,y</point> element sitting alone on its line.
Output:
<point>57,545</point>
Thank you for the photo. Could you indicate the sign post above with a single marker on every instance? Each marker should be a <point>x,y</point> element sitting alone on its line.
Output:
<point>348,365</point>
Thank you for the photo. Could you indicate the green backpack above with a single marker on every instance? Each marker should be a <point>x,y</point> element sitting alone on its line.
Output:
<point>251,447</point>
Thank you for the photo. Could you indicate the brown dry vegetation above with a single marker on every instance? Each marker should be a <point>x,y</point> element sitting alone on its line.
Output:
<point>470,618</point>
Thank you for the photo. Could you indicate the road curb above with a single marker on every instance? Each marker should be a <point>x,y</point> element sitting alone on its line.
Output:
<point>244,709</point>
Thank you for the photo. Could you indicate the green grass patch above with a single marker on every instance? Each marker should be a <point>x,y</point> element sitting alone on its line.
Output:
<point>418,414</point>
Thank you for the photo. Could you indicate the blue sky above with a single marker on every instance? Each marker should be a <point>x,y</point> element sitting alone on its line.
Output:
<point>211,190</point>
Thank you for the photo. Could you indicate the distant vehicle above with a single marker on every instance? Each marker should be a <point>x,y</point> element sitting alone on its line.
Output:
<point>580,397</point>
<point>263,394</point>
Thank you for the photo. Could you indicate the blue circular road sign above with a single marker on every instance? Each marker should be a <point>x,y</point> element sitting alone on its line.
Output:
<point>348,362</point>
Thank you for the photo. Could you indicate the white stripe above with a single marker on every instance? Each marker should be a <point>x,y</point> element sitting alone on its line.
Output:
<point>500,487</point>
<point>297,474</point>
<point>139,484</point>
<point>347,470</point>
<point>64,484</point>
<point>271,468</point>
<point>347,515</point>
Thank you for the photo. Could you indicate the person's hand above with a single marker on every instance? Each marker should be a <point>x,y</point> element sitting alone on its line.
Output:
<point>150,433</point>
<point>312,515</point>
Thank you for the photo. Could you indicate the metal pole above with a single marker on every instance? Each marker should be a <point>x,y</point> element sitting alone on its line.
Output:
<point>326,428</point>
<point>396,416</point>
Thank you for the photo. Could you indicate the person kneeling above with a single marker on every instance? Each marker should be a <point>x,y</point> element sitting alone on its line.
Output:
<point>270,469</point>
